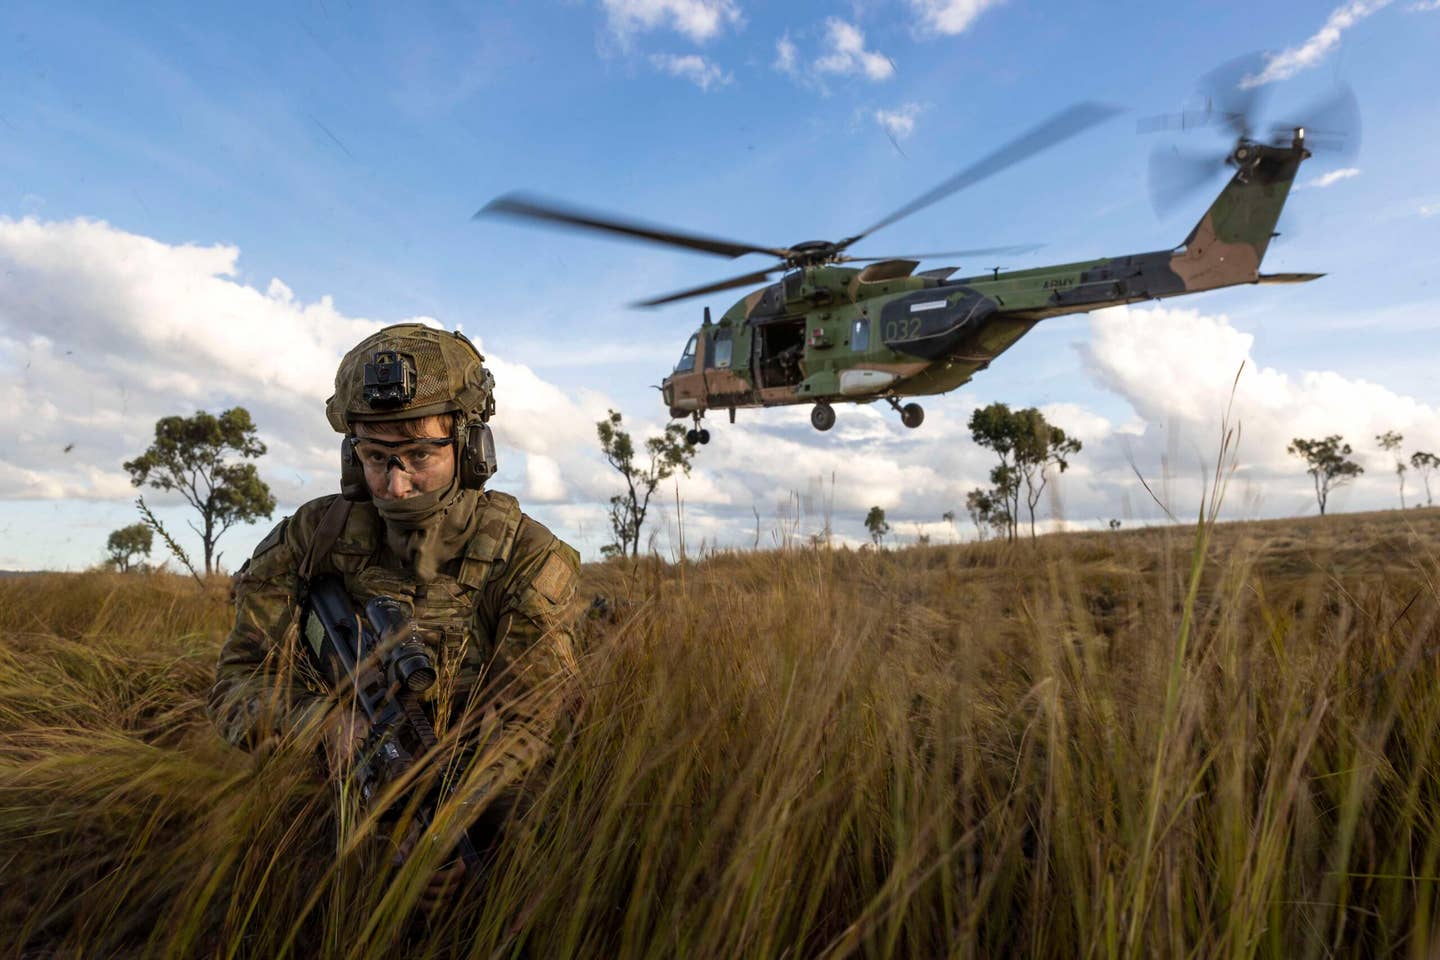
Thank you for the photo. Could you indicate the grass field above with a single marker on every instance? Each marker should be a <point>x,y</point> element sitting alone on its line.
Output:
<point>1181,742</point>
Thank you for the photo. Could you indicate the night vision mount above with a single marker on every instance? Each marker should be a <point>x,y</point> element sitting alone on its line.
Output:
<point>389,380</point>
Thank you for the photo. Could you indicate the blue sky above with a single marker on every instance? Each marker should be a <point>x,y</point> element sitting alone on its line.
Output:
<point>182,157</point>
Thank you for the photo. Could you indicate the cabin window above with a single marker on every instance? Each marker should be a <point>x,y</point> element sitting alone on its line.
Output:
<point>720,350</point>
<point>687,359</point>
<point>860,335</point>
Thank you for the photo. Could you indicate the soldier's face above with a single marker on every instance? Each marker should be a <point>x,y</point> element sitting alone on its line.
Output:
<point>415,467</point>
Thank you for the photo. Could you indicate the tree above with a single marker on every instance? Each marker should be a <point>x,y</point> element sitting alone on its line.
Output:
<point>189,456</point>
<point>1390,442</point>
<point>949,517</point>
<point>1425,463</point>
<point>993,427</point>
<point>1039,446</point>
<point>127,544</point>
<point>668,452</point>
<point>875,523</point>
<point>1326,463</point>
<point>1028,447</point>
<point>988,511</point>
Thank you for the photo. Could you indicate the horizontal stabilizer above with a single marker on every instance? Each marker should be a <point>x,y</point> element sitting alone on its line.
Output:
<point>1288,277</point>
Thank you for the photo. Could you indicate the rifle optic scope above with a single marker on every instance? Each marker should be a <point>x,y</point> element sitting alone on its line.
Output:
<point>409,660</point>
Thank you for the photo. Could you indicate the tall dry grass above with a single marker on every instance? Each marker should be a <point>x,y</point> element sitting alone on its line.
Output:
<point>1188,743</point>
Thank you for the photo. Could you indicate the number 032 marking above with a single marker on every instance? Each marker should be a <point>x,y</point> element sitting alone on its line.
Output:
<point>903,329</point>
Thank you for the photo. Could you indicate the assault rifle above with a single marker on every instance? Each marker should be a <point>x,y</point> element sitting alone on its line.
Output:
<point>384,665</point>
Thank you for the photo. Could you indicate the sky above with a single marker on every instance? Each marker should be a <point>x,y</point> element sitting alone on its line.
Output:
<point>203,207</point>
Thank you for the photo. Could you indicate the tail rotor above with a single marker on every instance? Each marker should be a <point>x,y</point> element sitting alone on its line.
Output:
<point>1233,99</point>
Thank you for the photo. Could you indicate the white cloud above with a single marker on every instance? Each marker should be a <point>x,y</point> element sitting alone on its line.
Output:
<point>847,55</point>
<point>900,122</point>
<point>1289,62</point>
<point>1429,209</point>
<point>543,480</point>
<point>786,56</point>
<point>700,20</point>
<point>950,17</point>
<point>1176,368</point>
<point>1424,6</point>
<point>1331,178</point>
<point>102,332</point>
<point>692,67</point>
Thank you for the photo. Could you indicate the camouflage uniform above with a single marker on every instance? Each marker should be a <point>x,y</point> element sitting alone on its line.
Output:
<point>493,619</point>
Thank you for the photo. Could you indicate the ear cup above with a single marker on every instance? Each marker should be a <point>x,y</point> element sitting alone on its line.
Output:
<point>352,474</point>
<point>477,456</point>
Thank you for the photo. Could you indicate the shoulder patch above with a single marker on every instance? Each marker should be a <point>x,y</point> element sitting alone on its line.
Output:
<point>555,579</point>
<point>272,539</point>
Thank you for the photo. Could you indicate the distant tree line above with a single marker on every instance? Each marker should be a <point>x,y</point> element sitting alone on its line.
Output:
<point>1328,462</point>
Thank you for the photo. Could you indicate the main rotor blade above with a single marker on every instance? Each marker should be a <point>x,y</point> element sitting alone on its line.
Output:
<point>1064,125</point>
<point>977,252</point>
<point>759,276</point>
<point>548,211</point>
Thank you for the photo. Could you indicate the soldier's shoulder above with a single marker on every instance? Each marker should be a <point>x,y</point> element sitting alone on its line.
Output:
<point>294,532</point>
<point>548,564</point>
<point>536,557</point>
<point>307,516</point>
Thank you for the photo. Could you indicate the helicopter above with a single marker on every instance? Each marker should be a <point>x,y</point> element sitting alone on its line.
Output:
<point>827,333</point>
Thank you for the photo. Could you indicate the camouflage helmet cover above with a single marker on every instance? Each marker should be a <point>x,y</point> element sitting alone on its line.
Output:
<point>449,377</point>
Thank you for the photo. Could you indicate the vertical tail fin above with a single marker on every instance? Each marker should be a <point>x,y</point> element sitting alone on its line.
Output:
<point>1230,240</point>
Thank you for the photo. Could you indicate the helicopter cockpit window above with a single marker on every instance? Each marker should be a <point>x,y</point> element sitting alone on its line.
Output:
<point>687,359</point>
<point>860,335</point>
<point>718,355</point>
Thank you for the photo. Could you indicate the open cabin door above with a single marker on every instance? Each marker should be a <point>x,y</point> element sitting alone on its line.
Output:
<point>778,349</point>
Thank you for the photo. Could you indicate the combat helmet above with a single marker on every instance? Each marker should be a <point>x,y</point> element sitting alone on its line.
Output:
<point>406,371</point>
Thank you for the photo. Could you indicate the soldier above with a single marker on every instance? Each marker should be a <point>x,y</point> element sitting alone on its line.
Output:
<point>487,584</point>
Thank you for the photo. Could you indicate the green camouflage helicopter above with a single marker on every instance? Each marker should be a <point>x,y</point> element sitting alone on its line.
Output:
<point>827,333</point>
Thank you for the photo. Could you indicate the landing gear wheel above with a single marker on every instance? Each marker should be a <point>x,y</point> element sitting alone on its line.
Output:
<point>702,435</point>
<point>912,415</point>
<point>692,437</point>
<point>822,417</point>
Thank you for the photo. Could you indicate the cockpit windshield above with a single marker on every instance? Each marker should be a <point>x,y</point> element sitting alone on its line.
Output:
<point>687,359</point>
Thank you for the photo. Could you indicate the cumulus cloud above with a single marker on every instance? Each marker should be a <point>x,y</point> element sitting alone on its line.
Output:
<point>847,55</point>
<point>700,20</point>
<point>102,332</point>
<point>950,17</point>
<point>900,122</point>
<point>1289,62</point>
<point>1176,368</point>
<point>692,67</point>
<point>1330,178</point>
